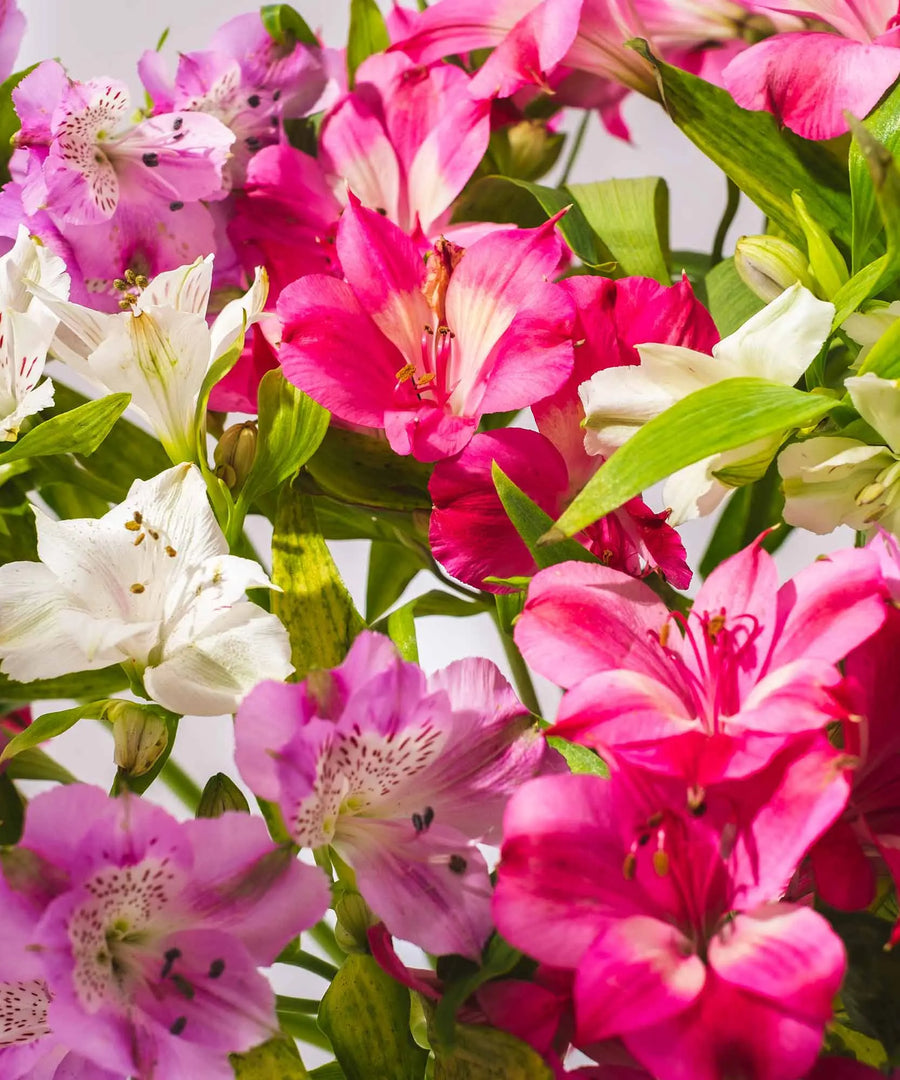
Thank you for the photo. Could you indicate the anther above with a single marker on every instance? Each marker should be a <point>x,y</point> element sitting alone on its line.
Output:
<point>184,987</point>
<point>428,816</point>
<point>133,526</point>
<point>138,517</point>
<point>629,866</point>
<point>171,955</point>
<point>253,101</point>
<point>139,539</point>
<point>178,1026</point>
<point>457,864</point>
<point>179,120</point>
<point>130,277</point>
<point>137,588</point>
<point>170,551</point>
<point>176,205</point>
<point>153,533</point>
<point>428,377</point>
<point>406,372</point>
<point>142,281</point>
<point>216,968</point>
<point>120,284</point>
<point>664,631</point>
<point>661,862</point>
<point>417,823</point>
<point>150,159</point>
<point>276,95</point>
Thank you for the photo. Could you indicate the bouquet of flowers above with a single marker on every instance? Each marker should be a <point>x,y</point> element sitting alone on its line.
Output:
<point>350,291</point>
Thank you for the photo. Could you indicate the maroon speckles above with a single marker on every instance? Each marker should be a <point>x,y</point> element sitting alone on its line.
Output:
<point>23,1012</point>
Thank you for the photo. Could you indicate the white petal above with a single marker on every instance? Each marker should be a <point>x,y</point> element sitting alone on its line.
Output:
<point>878,402</point>
<point>81,329</point>
<point>781,341</point>
<point>693,491</point>
<point>184,289</point>
<point>41,397</point>
<point>867,327</point>
<point>237,315</point>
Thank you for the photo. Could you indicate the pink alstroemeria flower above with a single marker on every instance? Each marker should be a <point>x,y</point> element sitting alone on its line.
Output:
<point>424,349</point>
<point>809,79</point>
<point>671,925</point>
<point>149,932</point>
<point>470,532</point>
<point>754,666</point>
<point>12,30</point>
<point>399,774</point>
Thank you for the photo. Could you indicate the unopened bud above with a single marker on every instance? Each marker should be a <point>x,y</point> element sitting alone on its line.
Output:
<point>526,150</point>
<point>354,919</point>
<point>139,734</point>
<point>768,265</point>
<point>220,796</point>
<point>235,453</point>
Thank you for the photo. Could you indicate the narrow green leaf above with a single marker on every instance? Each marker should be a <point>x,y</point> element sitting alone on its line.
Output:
<point>509,607</point>
<point>391,568</point>
<point>580,759</point>
<point>81,685</point>
<point>884,125</point>
<point>630,218</point>
<point>331,1071</point>
<point>729,300</point>
<point>12,811</point>
<point>401,628</point>
<point>532,523</point>
<point>48,726</point>
<point>36,765</point>
<point>9,120</point>
<point>484,1053</point>
<point>725,416</point>
<point>276,1059</point>
<point>499,960</point>
<point>519,202</point>
<point>825,261</point>
<point>80,431</point>
<point>884,357</point>
<point>314,603</point>
<point>437,602</point>
<point>368,35</point>
<point>766,161</point>
<point>365,1014</point>
<point>285,26</point>
<point>291,427</point>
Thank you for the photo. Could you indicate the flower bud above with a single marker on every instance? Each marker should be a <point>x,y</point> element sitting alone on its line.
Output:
<point>526,150</point>
<point>354,919</point>
<point>139,734</point>
<point>235,453</point>
<point>220,796</point>
<point>768,265</point>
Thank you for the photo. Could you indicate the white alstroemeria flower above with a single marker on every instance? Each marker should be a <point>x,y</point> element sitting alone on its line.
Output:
<point>778,343</point>
<point>150,583</point>
<point>26,330</point>
<point>835,480</point>
<point>160,349</point>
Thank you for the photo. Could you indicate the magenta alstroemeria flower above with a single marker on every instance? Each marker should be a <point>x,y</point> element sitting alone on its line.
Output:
<point>671,923</point>
<point>12,30</point>
<point>424,349</point>
<point>750,667</point>
<point>149,932</point>
<point>809,79</point>
<point>244,79</point>
<point>400,774</point>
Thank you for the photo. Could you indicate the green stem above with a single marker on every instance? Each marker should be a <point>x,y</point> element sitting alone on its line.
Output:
<point>323,936</point>
<point>469,594</point>
<point>576,148</point>
<point>731,208</point>
<point>180,784</point>
<point>304,1028</point>
<point>301,1006</point>
<point>521,674</point>
<point>300,958</point>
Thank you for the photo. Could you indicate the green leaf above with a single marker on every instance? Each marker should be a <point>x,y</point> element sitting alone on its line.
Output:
<point>401,628</point>
<point>580,759</point>
<point>36,765</point>
<point>49,725</point>
<point>291,427</point>
<point>221,795</point>
<point>884,125</point>
<point>391,568</point>
<point>724,416</point>
<point>483,1053</point>
<point>765,160</point>
<point>872,980</point>
<point>314,603</point>
<point>729,300</point>
<point>285,26</point>
<point>368,35</point>
<point>80,431</point>
<point>12,811</point>
<point>276,1059</point>
<point>9,121</point>
<point>365,1014</point>
<point>519,202</point>
<point>81,685</point>
<point>883,358</point>
<point>438,602</point>
<point>825,261</point>
<point>631,220</point>
<point>331,1071</point>
<point>532,523</point>
<point>499,960</point>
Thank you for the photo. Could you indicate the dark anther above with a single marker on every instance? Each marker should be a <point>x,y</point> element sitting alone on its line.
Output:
<point>184,987</point>
<point>428,816</point>
<point>381,210</point>
<point>418,823</point>
<point>171,956</point>
<point>216,968</point>
<point>276,95</point>
<point>179,120</point>
<point>457,864</point>
<point>698,809</point>
<point>179,1025</point>
<point>150,159</point>
<point>177,205</point>
<point>252,142</point>
<point>644,838</point>
<point>253,101</point>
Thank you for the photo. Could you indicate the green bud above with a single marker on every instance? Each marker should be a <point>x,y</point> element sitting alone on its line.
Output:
<point>220,796</point>
<point>235,453</point>
<point>526,150</point>
<point>354,918</point>
<point>139,734</point>
<point>768,265</point>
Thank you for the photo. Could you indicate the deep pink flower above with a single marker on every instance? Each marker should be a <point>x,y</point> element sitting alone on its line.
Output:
<point>753,666</point>
<point>423,350</point>
<point>808,80</point>
<point>670,924</point>
<point>400,774</point>
<point>150,932</point>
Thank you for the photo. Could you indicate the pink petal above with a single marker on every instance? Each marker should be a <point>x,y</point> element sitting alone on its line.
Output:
<point>355,147</point>
<point>459,26</point>
<point>427,431</point>
<point>808,79</point>
<point>12,30</point>
<point>845,878</point>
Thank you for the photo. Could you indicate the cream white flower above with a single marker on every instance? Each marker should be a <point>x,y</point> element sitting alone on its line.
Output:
<point>778,343</point>
<point>160,349</point>
<point>150,583</point>
<point>26,330</point>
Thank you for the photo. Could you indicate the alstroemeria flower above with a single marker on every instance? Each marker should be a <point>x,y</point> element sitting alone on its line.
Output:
<point>150,933</point>
<point>677,948</point>
<point>833,480</point>
<point>244,79</point>
<point>150,584</point>
<point>778,343</point>
<point>809,80</point>
<point>160,348</point>
<point>424,349</point>
<point>26,330</point>
<point>12,30</point>
<point>400,774</point>
<point>754,665</point>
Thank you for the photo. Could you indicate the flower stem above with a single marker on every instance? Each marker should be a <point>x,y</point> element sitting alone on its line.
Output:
<point>323,936</point>
<point>520,673</point>
<point>180,784</point>
<point>297,957</point>
<point>303,1028</point>
<point>731,207</point>
<point>293,1005</point>
<point>576,148</point>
